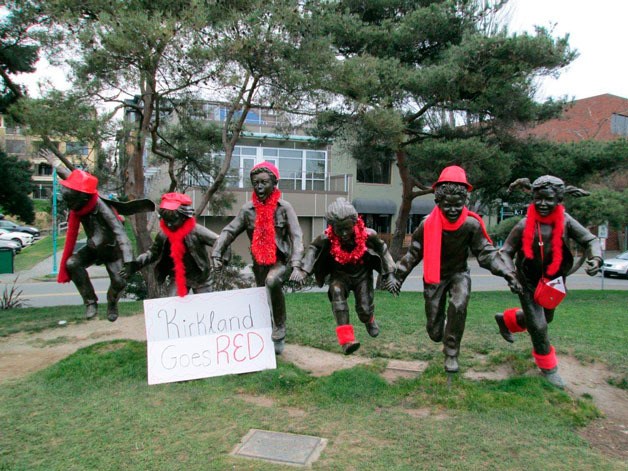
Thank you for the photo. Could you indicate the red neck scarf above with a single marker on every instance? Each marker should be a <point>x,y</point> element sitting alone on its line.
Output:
<point>263,246</point>
<point>342,256</point>
<point>74,222</point>
<point>177,251</point>
<point>434,226</point>
<point>556,219</point>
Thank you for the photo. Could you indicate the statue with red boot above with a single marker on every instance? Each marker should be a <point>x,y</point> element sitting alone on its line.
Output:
<point>539,246</point>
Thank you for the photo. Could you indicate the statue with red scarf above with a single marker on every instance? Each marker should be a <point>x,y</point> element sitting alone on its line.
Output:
<point>349,253</point>
<point>180,249</point>
<point>539,246</point>
<point>276,241</point>
<point>107,242</point>
<point>444,240</point>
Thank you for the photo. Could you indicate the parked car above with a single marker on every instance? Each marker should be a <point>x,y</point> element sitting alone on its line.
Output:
<point>617,266</point>
<point>9,244</point>
<point>22,238</point>
<point>12,227</point>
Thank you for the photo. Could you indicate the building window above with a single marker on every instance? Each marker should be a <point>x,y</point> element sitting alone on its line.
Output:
<point>44,169</point>
<point>300,169</point>
<point>76,148</point>
<point>14,146</point>
<point>375,171</point>
<point>619,124</point>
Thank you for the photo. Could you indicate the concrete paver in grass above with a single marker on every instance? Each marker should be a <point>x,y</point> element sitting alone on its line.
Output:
<point>280,447</point>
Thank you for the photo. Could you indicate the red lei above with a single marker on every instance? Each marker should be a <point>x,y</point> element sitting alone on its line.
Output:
<point>177,251</point>
<point>263,245</point>
<point>355,256</point>
<point>557,220</point>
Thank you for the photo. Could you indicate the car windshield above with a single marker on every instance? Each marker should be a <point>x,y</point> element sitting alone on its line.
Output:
<point>623,256</point>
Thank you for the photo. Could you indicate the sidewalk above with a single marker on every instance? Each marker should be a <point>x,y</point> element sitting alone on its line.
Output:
<point>42,271</point>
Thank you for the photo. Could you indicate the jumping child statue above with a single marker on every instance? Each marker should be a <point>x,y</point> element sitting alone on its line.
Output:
<point>444,240</point>
<point>107,242</point>
<point>180,248</point>
<point>539,246</point>
<point>348,252</point>
<point>276,241</point>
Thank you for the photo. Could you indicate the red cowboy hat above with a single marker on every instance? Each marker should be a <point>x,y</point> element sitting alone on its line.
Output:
<point>267,166</point>
<point>79,180</point>
<point>172,201</point>
<point>453,174</point>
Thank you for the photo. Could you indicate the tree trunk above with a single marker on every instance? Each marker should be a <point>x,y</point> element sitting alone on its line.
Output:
<point>396,244</point>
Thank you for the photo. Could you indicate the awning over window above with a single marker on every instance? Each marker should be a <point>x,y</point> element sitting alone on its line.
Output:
<point>422,205</point>
<point>379,206</point>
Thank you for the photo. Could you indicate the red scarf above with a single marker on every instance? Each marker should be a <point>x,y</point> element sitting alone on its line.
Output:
<point>74,222</point>
<point>263,246</point>
<point>177,251</point>
<point>355,256</point>
<point>557,220</point>
<point>434,226</point>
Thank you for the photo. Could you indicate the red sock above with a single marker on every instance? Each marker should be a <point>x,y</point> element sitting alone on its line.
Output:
<point>510,319</point>
<point>345,334</point>
<point>546,362</point>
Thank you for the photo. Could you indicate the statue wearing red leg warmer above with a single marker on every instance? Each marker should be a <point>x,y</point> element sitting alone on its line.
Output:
<point>539,246</point>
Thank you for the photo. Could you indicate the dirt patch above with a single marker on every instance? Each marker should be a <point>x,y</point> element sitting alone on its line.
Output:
<point>319,362</point>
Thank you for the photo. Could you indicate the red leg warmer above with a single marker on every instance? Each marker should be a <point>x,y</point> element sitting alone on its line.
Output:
<point>510,319</point>
<point>345,334</point>
<point>546,362</point>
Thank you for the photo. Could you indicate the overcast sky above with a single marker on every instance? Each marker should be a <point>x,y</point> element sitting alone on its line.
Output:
<point>597,30</point>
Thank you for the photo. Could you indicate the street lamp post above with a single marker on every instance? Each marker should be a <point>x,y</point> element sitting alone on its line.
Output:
<point>54,221</point>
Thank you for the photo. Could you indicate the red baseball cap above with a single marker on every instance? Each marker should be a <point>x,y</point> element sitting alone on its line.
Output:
<point>268,166</point>
<point>453,174</point>
<point>172,201</point>
<point>80,180</point>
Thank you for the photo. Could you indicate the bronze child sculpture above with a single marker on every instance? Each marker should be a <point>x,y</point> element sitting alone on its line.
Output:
<point>444,241</point>
<point>276,241</point>
<point>107,241</point>
<point>539,246</point>
<point>179,249</point>
<point>348,252</point>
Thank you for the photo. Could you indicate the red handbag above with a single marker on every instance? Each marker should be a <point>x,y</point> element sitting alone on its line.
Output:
<point>548,293</point>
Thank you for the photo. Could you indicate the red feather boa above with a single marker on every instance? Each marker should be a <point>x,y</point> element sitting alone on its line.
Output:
<point>434,226</point>
<point>355,256</point>
<point>177,251</point>
<point>263,245</point>
<point>73,228</point>
<point>557,220</point>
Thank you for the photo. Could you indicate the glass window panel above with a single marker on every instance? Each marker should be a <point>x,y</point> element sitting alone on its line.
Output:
<point>315,166</point>
<point>249,150</point>
<point>289,165</point>
<point>295,154</point>
<point>270,152</point>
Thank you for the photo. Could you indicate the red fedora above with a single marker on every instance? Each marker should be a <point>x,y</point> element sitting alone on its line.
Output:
<point>80,180</point>
<point>172,201</point>
<point>453,174</point>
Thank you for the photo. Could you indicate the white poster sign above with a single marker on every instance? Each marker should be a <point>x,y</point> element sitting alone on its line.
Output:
<point>210,334</point>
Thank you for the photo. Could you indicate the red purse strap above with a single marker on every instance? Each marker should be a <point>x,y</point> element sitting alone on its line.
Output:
<point>542,249</point>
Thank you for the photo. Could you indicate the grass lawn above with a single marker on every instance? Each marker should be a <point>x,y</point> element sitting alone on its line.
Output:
<point>94,410</point>
<point>40,250</point>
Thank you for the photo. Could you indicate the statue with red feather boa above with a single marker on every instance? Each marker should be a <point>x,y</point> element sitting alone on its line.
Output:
<point>349,253</point>
<point>539,246</point>
<point>276,242</point>
<point>180,249</point>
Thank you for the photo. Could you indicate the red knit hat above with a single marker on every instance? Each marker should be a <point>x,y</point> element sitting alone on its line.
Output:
<point>172,201</point>
<point>79,180</point>
<point>453,174</point>
<point>267,166</point>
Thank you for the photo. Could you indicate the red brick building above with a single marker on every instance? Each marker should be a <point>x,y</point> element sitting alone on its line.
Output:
<point>598,118</point>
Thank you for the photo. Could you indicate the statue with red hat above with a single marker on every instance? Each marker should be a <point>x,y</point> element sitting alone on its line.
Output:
<point>444,240</point>
<point>180,249</point>
<point>107,242</point>
<point>276,241</point>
